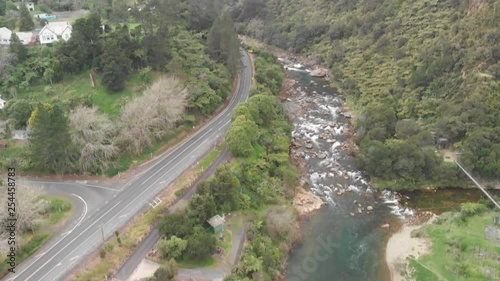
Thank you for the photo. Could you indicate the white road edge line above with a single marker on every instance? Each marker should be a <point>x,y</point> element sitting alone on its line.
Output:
<point>66,233</point>
<point>50,259</point>
<point>166,155</point>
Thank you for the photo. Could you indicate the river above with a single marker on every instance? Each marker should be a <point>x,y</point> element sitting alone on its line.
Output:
<point>346,239</point>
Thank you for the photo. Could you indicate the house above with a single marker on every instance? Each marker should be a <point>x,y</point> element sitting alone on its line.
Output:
<point>55,31</point>
<point>5,35</point>
<point>218,223</point>
<point>29,5</point>
<point>2,103</point>
<point>27,38</point>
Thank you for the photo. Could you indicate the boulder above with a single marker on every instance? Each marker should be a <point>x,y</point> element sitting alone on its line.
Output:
<point>369,208</point>
<point>320,72</point>
<point>385,225</point>
<point>309,146</point>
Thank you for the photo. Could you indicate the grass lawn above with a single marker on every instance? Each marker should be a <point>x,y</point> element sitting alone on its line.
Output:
<point>58,209</point>
<point>460,250</point>
<point>197,263</point>
<point>77,89</point>
<point>205,163</point>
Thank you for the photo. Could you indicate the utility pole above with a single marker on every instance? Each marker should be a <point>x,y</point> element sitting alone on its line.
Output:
<point>102,232</point>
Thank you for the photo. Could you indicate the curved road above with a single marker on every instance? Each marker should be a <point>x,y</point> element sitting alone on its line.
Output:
<point>88,235</point>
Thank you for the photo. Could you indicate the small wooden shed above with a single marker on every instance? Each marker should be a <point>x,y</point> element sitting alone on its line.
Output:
<point>218,223</point>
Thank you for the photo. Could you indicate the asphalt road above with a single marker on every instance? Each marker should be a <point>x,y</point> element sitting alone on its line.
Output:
<point>150,241</point>
<point>90,232</point>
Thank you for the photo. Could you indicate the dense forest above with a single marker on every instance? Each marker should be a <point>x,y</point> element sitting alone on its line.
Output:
<point>417,72</point>
<point>177,58</point>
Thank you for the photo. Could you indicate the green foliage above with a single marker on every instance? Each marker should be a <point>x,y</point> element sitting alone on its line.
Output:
<point>102,253</point>
<point>115,66</point>
<point>432,61</point>
<point>20,111</point>
<point>172,248</point>
<point>200,244</point>
<point>17,48</point>
<point>460,249</point>
<point>26,20</point>
<point>223,43</point>
<point>175,225</point>
<point>166,272</point>
<point>50,143</point>
<point>470,209</point>
<point>109,247</point>
<point>268,72</point>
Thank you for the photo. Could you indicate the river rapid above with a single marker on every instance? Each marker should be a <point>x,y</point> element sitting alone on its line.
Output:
<point>345,240</point>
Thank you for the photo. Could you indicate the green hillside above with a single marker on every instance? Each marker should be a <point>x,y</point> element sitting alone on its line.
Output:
<point>419,71</point>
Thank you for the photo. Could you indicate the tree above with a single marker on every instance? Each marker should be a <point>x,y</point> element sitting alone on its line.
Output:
<point>49,140</point>
<point>241,136</point>
<point>85,45</point>
<point>17,48</point>
<point>201,208</point>
<point>7,63</point>
<point>20,111</point>
<point>172,248</point>
<point>115,66</point>
<point>166,272</point>
<point>175,224</point>
<point>203,13</point>
<point>94,134</point>
<point>280,222</point>
<point>225,188</point>
<point>29,207</point>
<point>223,43</point>
<point>201,244</point>
<point>26,21</point>
<point>165,101</point>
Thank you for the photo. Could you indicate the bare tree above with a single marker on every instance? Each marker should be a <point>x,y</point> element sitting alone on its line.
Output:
<point>151,115</point>
<point>280,221</point>
<point>95,133</point>
<point>29,207</point>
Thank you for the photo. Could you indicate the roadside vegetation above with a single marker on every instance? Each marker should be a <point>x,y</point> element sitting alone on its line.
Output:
<point>420,72</point>
<point>261,175</point>
<point>176,58</point>
<point>37,215</point>
<point>464,246</point>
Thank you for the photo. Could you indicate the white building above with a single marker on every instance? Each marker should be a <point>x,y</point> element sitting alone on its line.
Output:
<point>26,38</point>
<point>5,35</point>
<point>55,31</point>
<point>29,5</point>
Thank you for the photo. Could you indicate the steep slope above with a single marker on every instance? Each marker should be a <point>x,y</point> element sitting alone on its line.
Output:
<point>419,70</point>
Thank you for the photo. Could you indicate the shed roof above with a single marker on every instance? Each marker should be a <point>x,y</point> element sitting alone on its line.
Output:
<point>216,221</point>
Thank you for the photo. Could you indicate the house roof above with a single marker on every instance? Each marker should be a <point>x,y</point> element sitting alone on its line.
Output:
<point>216,221</point>
<point>57,27</point>
<point>5,33</point>
<point>26,37</point>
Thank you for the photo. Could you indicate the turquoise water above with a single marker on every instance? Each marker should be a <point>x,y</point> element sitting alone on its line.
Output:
<point>340,243</point>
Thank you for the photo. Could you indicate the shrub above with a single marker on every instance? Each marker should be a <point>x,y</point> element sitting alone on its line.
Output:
<point>102,253</point>
<point>109,247</point>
